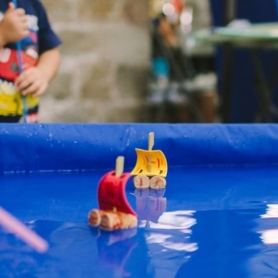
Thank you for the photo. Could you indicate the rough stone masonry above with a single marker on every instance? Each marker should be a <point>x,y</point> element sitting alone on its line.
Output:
<point>105,61</point>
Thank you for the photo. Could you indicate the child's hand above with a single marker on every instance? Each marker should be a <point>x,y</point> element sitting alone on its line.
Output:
<point>32,81</point>
<point>14,25</point>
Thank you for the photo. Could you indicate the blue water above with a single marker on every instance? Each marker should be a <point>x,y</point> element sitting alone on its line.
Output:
<point>210,222</point>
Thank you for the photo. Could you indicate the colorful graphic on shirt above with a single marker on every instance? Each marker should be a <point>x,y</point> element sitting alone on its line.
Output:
<point>9,62</point>
<point>10,98</point>
<point>11,101</point>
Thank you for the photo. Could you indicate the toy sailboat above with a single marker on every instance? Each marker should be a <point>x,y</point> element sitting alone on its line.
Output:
<point>151,167</point>
<point>114,211</point>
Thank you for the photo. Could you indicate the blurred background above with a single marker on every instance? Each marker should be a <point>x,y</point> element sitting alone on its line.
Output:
<point>139,61</point>
<point>105,61</point>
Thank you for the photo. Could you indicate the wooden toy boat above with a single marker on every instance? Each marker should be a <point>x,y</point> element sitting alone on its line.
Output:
<point>151,167</point>
<point>114,211</point>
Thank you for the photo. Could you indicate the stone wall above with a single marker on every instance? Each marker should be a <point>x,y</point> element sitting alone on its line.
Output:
<point>105,61</point>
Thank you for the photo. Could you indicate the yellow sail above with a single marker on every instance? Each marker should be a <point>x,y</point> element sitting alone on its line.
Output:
<point>150,163</point>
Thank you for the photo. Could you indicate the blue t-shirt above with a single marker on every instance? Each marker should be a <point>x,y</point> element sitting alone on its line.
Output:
<point>40,39</point>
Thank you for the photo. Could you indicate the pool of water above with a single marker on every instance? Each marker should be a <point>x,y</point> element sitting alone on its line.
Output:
<point>209,222</point>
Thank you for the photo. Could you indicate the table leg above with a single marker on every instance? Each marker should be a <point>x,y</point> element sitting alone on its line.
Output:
<point>229,11</point>
<point>263,90</point>
<point>271,85</point>
<point>225,109</point>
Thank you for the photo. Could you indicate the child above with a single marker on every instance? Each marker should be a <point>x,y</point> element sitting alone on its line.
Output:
<point>39,54</point>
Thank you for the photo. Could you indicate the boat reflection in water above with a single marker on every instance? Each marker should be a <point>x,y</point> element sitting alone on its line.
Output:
<point>165,232</point>
<point>160,234</point>
<point>114,249</point>
<point>150,204</point>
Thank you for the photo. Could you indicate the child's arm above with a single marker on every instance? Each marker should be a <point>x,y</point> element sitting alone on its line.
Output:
<point>13,26</point>
<point>35,80</point>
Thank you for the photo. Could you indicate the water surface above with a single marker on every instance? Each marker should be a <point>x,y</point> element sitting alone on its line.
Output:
<point>209,222</point>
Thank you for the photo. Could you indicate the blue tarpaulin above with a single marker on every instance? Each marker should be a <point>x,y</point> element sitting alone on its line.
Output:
<point>84,147</point>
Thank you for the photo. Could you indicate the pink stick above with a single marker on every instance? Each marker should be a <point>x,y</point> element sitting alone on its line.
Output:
<point>13,225</point>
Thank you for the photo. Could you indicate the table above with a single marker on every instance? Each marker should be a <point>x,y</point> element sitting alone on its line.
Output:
<point>253,38</point>
<point>217,217</point>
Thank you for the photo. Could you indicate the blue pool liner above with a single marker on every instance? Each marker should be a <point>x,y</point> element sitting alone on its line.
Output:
<point>85,147</point>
